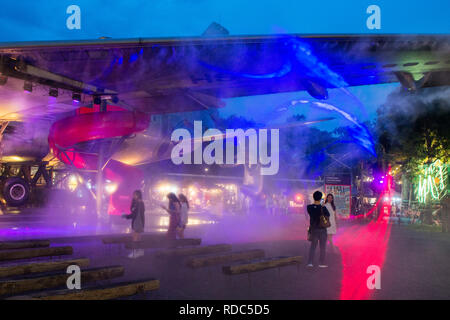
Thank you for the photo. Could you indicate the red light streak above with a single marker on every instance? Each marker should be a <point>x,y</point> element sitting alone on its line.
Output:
<point>362,246</point>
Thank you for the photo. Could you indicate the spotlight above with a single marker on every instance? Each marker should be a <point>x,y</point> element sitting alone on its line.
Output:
<point>76,97</point>
<point>97,100</point>
<point>111,187</point>
<point>28,86</point>
<point>3,80</point>
<point>53,92</point>
<point>72,183</point>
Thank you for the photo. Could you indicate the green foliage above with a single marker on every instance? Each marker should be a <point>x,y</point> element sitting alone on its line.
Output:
<point>413,129</point>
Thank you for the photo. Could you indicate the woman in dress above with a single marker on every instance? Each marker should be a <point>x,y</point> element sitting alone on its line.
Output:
<point>137,217</point>
<point>174,211</point>
<point>183,215</point>
<point>329,204</point>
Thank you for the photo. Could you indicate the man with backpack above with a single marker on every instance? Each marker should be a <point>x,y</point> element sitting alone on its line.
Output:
<point>318,221</point>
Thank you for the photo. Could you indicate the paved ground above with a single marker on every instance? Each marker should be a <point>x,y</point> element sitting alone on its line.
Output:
<point>415,263</point>
<point>181,282</point>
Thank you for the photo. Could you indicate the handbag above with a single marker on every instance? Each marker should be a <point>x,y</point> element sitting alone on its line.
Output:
<point>324,222</point>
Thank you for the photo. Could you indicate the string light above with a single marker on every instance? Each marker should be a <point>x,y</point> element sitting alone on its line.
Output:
<point>432,182</point>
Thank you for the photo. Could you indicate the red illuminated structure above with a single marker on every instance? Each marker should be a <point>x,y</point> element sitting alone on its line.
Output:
<point>91,124</point>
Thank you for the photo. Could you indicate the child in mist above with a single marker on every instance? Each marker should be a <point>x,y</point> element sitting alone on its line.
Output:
<point>331,231</point>
<point>137,217</point>
<point>184,209</point>
<point>173,210</point>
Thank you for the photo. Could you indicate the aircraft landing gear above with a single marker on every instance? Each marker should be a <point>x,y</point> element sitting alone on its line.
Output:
<point>16,191</point>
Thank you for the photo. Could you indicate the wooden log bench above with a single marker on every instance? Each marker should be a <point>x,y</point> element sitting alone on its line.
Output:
<point>38,283</point>
<point>22,244</point>
<point>125,238</point>
<point>190,251</point>
<point>119,240</point>
<point>261,264</point>
<point>30,268</point>
<point>162,243</point>
<point>34,253</point>
<point>209,260</point>
<point>108,292</point>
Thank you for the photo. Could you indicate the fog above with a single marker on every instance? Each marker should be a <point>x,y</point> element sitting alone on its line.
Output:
<point>304,149</point>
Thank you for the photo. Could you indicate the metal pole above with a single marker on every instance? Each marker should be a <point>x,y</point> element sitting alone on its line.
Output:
<point>362,190</point>
<point>100,162</point>
<point>410,185</point>
<point>100,181</point>
<point>351,191</point>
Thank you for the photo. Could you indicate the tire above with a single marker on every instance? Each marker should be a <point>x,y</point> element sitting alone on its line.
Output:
<point>16,191</point>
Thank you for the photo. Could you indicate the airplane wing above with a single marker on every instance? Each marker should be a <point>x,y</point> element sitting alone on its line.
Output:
<point>186,74</point>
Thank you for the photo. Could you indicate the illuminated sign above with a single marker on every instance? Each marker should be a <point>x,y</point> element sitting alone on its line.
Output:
<point>342,198</point>
<point>432,182</point>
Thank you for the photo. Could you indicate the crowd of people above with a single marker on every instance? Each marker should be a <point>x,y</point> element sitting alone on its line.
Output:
<point>267,203</point>
<point>277,204</point>
<point>412,214</point>
<point>319,232</point>
<point>323,220</point>
<point>178,209</point>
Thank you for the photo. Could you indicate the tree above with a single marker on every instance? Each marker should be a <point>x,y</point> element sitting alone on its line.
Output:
<point>413,129</point>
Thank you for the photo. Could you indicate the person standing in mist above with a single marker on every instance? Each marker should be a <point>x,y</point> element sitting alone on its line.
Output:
<point>331,231</point>
<point>318,233</point>
<point>137,217</point>
<point>184,209</point>
<point>174,211</point>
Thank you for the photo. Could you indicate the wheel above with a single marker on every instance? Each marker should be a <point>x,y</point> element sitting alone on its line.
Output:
<point>16,191</point>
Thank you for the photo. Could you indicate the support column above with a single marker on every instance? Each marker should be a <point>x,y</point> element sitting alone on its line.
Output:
<point>100,162</point>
